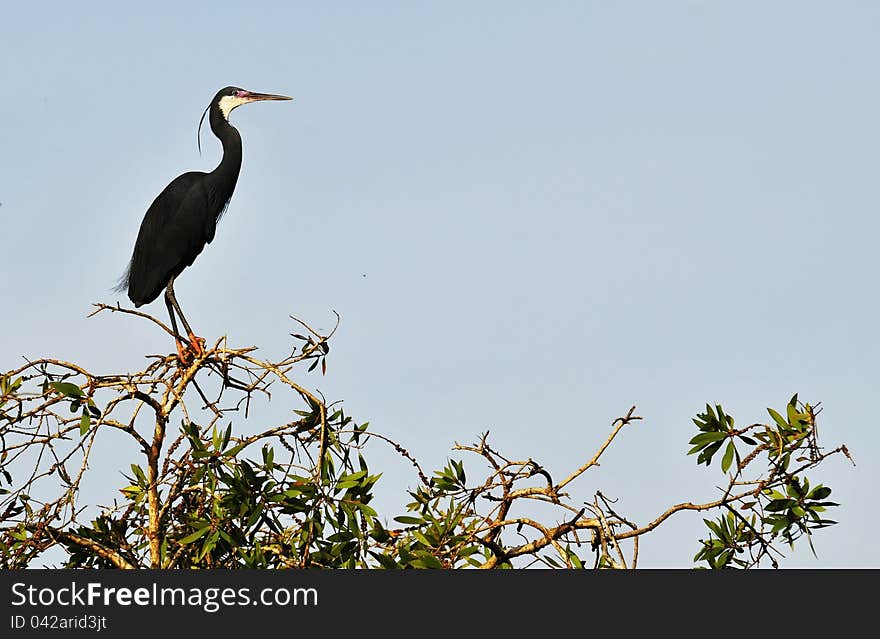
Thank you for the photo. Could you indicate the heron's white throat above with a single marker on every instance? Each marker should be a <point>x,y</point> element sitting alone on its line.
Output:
<point>229,102</point>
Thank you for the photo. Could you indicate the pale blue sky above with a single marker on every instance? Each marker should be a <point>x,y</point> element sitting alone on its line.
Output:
<point>530,215</point>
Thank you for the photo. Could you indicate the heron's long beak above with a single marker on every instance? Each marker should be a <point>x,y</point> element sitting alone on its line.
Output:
<point>254,97</point>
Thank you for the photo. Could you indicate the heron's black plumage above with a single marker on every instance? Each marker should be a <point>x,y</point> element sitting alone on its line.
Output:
<point>183,217</point>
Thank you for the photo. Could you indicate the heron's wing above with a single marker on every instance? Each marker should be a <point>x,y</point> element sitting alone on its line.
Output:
<point>172,234</point>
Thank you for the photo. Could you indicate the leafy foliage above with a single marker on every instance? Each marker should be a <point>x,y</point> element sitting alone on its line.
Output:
<point>779,502</point>
<point>301,493</point>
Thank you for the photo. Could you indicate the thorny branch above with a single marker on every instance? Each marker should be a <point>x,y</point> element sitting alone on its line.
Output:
<point>52,411</point>
<point>201,502</point>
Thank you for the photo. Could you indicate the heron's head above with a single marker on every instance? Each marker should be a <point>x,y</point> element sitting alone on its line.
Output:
<point>227,99</point>
<point>231,97</point>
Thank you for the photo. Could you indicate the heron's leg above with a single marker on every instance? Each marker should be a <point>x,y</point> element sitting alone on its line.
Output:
<point>181,351</point>
<point>196,342</point>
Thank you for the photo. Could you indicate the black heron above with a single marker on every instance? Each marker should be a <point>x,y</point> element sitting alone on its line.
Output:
<point>184,216</point>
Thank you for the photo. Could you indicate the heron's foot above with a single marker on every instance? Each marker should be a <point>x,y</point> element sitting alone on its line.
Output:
<point>197,345</point>
<point>184,354</point>
<point>188,353</point>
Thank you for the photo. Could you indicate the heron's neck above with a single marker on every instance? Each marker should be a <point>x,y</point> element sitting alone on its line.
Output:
<point>230,165</point>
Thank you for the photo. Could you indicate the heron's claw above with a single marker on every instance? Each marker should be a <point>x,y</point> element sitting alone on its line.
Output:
<point>188,353</point>
<point>197,344</point>
<point>184,354</point>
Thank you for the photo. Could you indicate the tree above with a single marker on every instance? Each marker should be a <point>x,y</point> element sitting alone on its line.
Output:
<point>298,494</point>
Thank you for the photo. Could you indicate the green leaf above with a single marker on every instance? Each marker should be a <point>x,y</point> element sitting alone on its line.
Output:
<point>235,450</point>
<point>727,460</point>
<point>780,504</point>
<point>142,479</point>
<point>404,519</point>
<point>209,544</point>
<point>422,539</point>
<point>459,472</point>
<point>705,438</point>
<point>780,421</point>
<point>387,562</point>
<point>367,510</point>
<point>201,532</point>
<point>575,560</point>
<point>84,423</point>
<point>696,449</point>
<point>705,457</point>
<point>715,528</point>
<point>131,491</point>
<point>67,389</point>
<point>425,560</point>
<point>354,478</point>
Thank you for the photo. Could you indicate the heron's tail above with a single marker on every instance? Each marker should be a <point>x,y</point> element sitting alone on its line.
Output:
<point>121,285</point>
